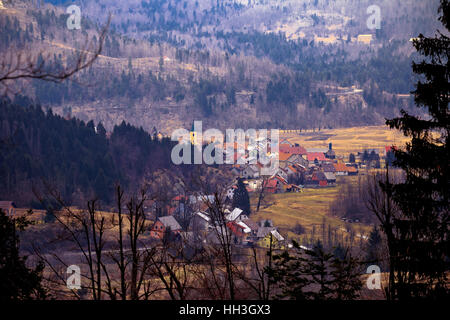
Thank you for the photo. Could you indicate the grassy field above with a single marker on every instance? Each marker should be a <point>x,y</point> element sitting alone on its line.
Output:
<point>349,140</point>
<point>309,208</point>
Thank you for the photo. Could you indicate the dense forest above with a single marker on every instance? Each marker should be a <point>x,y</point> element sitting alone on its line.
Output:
<point>166,63</point>
<point>40,148</point>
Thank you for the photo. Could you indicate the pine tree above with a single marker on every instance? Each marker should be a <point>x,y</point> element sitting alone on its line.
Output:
<point>241,198</point>
<point>351,158</point>
<point>421,247</point>
<point>315,274</point>
<point>373,246</point>
<point>17,281</point>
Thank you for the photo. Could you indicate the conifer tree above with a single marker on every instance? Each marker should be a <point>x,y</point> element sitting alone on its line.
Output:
<point>17,281</point>
<point>241,198</point>
<point>421,260</point>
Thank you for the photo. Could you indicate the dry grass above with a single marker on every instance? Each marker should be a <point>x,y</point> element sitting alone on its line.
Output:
<point>310,209</point>
<point>349,140</point>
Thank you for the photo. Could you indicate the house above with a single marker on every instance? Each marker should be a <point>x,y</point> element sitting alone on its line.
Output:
<point>296,149</point>
<point>234,215</point>
<point>164,224</point>
<point>292,188</point>
<point>328,167</point>
<point>320,177</point>
<point>291,170</point>
<point>240,230</point>
<point>286,159</point>
<point>343,170</point>
<point>200,222</point>
<point>275,184</point>
<point>282,173</point>
<point>9,207</point>
<point>286,142</point>
<point>252,225</point>
<point>364,38</point>
<point>269,236</point>
<point>316,157</point>
<point>270,186</point>
<point>254,184</point>
<point>250,172</point>
<point>237,230</point>
<point>331,178</point>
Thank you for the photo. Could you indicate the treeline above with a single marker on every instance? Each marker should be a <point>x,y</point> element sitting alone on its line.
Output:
<point>387,67</point>
<point>103,84</point>
<point>76,158</point>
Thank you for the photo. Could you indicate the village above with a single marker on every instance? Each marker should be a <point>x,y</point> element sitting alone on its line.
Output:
<point>189,218</point>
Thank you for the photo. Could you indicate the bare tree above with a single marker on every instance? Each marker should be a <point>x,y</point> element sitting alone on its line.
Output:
<point>255,273</point>
<point>110,245</point>
<point>378,197</point>
<point>18,64</point>
<point>261,191</point>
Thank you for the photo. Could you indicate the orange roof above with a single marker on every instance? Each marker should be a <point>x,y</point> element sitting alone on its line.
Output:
<point>316,155</point>
<point>292,169</point>
<point>284,156</point>
<point>293,150</point>
<point>343,168</point>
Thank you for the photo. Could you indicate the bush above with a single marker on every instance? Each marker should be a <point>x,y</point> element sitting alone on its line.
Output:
<point>299,229</point>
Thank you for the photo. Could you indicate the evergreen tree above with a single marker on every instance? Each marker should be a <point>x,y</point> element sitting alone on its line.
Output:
<point>17,281</point>
<point>241,198</point>
<point>318,267</point>
<point>315,274</point>
<point>351,158</point>
<point>345,273</point>
<point>288,274</point>
<point>373,246</point>
<point>421,261</point>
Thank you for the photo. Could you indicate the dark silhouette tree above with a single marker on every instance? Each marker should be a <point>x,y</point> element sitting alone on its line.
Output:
<point>241,198</point>
<point>316,274</point>
<point>17,280</point>
<point>422,240</point>
<point>373,246</point>
<point>351,158</point>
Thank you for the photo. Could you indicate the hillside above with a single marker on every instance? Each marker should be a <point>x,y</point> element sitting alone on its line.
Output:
<point>167,63</point>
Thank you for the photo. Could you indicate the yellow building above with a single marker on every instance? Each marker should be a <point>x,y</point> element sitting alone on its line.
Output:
<point>272,236</point>
<point>364,38</point>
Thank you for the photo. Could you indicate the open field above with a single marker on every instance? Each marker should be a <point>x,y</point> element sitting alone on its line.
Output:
<point>349,140</point>
<point>309,208</point>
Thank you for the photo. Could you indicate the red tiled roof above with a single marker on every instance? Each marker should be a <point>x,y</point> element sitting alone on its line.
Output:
<point>284,156</point>
<point>272,183</point>
<point>292,150</point>
<point>311,156</point>
<point>341,167</point>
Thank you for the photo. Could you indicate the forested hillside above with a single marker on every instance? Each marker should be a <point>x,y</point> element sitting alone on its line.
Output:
<point>40,149</point>
<point>284,64</point>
